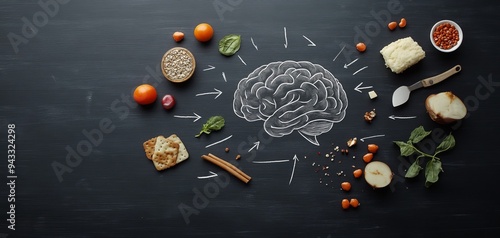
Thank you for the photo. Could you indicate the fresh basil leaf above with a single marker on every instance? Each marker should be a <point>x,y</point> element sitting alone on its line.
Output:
<point>432,170</point>
<point>418,134</point>
<point>229,44</point>
<point>405,148</point>
<point>413,171</point>
<point>446,144</point>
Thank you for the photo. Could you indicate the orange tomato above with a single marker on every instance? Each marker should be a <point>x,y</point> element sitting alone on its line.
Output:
<point>145,94</point>
<point>203,32</point>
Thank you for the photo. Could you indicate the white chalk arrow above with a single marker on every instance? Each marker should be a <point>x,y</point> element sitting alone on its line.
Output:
<point>210,67</point>
<point>255,146</point>
<point>286,40</point>
<point>212,174</point>
<point>215,143</point>
<point>359,70</point>
<point>224,77</point>
<point>370,137</point>
<point>347,65</point>
<point>404,118</point>
<point>217,93</point>
<point>253,43</point>
<point>359,88</point>
<point>270,161</point>
<point>339,53</point>
<point>242,61</point>
<point>196,117</point>
<point>295,159</point>
<point>310,41</point>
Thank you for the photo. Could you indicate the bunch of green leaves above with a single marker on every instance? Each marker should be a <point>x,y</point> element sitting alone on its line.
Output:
<point>433,166</point>
<point>214,123</point>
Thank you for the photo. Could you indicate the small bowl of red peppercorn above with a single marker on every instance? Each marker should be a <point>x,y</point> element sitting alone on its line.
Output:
<point>446,36</point>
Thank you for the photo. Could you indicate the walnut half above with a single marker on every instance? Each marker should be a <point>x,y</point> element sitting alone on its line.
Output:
<point>369,116</point>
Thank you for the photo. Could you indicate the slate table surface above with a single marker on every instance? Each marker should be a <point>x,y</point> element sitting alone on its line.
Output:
<point>68,69</point>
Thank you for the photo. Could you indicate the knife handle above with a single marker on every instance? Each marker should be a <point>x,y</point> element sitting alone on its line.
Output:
<point>438,78</point>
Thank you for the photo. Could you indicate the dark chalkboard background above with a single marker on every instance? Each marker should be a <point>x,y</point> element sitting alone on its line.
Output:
<point>78,66</point>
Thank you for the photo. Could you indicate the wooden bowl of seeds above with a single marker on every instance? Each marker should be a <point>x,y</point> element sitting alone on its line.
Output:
<point>178,64</point>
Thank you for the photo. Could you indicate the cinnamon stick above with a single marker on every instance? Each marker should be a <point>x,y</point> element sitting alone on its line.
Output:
<point>219,162</point>
<point>230,166</point>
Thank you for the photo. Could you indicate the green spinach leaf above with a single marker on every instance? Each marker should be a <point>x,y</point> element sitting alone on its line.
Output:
<point>229,44</point>
<point>214,123</point>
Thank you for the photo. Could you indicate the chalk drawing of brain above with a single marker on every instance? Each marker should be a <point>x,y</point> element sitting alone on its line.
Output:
<point>291,96</point>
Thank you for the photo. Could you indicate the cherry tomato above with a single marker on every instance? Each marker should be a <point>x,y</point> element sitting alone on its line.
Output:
<point>345,203</point>
<point>346,186</point>
<point>145,94</point>
<point>168,102</point>
<point>203,32</point>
